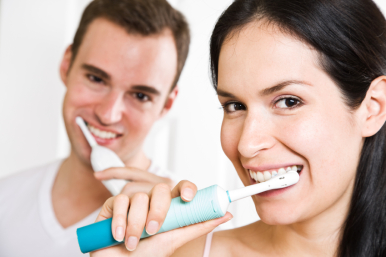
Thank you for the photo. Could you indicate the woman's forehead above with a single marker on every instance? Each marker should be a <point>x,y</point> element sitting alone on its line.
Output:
<point>264,54</point>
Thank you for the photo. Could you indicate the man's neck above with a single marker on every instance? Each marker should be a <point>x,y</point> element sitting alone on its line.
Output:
<point>76,193</point>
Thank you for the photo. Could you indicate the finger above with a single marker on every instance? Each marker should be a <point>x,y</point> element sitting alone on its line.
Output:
<point>160,199</point>
<point>120,209</point>
<point>137,187</point>
<point>106,211</point>
<point>186,189</point>
<point>132,174</point>
<point>178,237</point>
<point>136,220</point>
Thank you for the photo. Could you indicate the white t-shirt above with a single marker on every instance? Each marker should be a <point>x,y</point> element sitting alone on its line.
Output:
<point>28,225</point>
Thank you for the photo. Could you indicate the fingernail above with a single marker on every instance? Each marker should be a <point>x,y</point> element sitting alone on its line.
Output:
<point>188,194</point>
<point>132,242</point>
<point>152,227</point>
<point>119,234</point>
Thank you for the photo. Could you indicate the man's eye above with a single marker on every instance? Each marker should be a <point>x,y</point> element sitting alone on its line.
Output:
<point>142,97</point>
<point>94,78</point>
<point>232,107</point>
<point>287,103</point>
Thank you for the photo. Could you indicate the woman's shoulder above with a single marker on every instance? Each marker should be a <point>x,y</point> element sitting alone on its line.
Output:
<point>232,242</point>
<point>236,242</point>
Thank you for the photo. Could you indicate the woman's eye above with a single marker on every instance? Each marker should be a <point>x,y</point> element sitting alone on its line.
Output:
<point>287,103</point>
<point>142,97</point>
<point>232,107</point>
<point>94,78</point>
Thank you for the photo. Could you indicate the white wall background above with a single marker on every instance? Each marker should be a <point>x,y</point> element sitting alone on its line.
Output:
<point>33,37</point>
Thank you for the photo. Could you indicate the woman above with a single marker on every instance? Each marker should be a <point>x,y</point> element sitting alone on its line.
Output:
<point>301,83</point>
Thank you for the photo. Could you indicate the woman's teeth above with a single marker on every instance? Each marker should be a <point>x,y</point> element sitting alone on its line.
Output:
<point>100,133</point>
<point>267,175</point>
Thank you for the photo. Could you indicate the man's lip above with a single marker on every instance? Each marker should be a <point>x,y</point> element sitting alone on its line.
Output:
<point>104,141</point>
<point>270,166</point>
<point>102,128</point>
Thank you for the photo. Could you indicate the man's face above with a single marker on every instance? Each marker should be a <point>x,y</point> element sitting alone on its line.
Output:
<point>119,83</point>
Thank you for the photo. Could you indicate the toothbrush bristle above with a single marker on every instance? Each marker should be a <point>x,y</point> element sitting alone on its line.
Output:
<point>82,124</point>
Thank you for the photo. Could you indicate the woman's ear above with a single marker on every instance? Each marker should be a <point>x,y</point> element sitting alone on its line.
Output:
<point>65,64</point>
<point>375,107</point>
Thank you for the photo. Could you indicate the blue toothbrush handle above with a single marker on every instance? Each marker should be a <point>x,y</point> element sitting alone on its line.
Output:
<point>205,206</point>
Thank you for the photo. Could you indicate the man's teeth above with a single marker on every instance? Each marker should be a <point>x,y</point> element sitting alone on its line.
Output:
<point>267,175</point>
<point>101,134</point>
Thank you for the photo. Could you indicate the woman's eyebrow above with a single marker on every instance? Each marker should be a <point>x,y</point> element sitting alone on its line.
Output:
<point>266,91</point>
<point>280,86</point>
<point>224,93</point>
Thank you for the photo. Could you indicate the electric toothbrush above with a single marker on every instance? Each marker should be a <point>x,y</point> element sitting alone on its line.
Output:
<point>103,158</point>
<point>209,203</point>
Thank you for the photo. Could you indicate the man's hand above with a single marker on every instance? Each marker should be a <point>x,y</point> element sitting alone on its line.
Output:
<point>141,181</point>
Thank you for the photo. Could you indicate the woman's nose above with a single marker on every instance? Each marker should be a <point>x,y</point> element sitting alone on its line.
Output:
<point>110,109</point>
<point>255,137</point>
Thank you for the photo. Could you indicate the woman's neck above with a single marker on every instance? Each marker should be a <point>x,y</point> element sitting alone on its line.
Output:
<point>318,235</point>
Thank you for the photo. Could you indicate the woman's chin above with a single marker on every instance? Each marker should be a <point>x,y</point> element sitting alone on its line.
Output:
<point>278,217</point>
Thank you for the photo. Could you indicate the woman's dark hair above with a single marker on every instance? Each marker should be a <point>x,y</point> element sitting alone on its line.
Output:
<point>350,37</point>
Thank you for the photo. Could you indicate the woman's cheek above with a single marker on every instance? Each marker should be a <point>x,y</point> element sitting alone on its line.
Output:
<point>230,137</point>
<point>305,134</point>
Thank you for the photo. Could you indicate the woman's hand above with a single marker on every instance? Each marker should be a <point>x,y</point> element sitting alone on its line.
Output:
<point>149,211</point>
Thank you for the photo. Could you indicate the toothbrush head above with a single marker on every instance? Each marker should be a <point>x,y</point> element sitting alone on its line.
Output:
<point>86,132</point>
<point>280,181</point>
<point>285,180</point>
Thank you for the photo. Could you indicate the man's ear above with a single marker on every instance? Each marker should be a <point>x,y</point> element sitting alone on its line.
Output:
<point>169,101</point>
<point>375,107</point>
<point>65,64</point>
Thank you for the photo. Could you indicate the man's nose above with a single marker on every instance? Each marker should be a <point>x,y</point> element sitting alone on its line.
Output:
<point>110,109</point>
<point>256,137</point>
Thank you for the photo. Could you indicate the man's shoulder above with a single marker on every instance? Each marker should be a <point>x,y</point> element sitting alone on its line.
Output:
<point>24,180</point>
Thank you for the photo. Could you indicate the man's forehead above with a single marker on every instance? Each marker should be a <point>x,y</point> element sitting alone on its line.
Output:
<point>148,59</point>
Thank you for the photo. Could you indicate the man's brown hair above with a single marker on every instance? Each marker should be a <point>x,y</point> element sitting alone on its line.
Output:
<point>143,17</point>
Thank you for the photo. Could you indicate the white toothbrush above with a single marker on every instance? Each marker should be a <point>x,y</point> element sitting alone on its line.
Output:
<point>103,158</point>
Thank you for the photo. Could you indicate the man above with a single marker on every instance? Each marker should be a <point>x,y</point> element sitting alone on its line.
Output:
<point>120,73</point>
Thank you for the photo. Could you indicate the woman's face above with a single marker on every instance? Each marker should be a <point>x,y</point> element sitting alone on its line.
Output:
<point>280,110</point>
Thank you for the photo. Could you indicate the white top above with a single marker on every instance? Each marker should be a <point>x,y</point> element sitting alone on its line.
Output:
<point>208,244</point>
<point>28,225</point>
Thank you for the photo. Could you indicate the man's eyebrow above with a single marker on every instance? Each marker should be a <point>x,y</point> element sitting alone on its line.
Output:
<point>147,89</point>
<point>280,86</point>
<point>224,93</point>
<point>96,71</point>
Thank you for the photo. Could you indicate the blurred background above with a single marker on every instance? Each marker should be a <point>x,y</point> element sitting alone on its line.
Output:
<point>33,37</point>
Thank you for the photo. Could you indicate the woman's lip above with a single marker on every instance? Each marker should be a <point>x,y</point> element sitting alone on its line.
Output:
<point>263,168</point>
<point>274,192</point>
